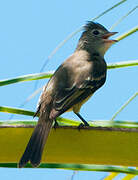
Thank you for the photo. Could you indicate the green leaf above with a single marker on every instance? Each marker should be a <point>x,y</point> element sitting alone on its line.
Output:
<point>28,77</point>
<point>69,122</point>
<point>16,111</point>
<point>80,167</point>
<point>128,33</point>
<point>37,76</point>
<point>122,64</point>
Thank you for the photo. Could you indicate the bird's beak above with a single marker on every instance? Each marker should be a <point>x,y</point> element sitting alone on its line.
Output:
<point>107,35</point>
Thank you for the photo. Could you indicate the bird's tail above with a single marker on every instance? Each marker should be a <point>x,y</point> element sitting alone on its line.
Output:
<point>34,149</point>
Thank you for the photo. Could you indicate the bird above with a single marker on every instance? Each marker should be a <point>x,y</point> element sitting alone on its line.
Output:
<point>71,85</point>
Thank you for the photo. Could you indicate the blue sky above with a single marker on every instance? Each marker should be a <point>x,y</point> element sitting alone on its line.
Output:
<point>30,30</point>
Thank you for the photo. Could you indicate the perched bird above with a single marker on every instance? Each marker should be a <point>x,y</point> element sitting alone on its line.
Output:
<point>72,84</point>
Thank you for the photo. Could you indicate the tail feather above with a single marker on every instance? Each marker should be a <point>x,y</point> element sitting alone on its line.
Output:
<point>37,152</point>
<point>35,146</point>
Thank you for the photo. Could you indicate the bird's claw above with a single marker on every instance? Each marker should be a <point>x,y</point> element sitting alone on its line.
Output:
<point>81,125</point>
<point>55,125</point>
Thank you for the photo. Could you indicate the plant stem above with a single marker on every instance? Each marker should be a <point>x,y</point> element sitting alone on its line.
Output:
<point>124,35</point>
<point>122,64</point>
<point>124,105</point>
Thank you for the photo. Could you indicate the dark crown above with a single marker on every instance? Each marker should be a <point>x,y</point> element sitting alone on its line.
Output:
<point>92,25</point>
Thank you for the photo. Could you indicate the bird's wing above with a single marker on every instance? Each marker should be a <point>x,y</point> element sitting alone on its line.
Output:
<point>79,91</point>
<point>72,82</point>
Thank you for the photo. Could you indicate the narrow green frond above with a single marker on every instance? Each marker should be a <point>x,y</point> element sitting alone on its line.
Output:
<point>108,10</point>
<point>124,105</point>
<point>28,77</point>
<point>128,33</point>
<point>80,167</point>
<point>49,74</point>
<point>69,122</point>
<point>122,18</point>
<point>16,111</point>
<point>122,64</point>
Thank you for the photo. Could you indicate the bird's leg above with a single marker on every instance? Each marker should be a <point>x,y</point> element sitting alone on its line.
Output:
<point>55,124</point>
<point>83,120</point>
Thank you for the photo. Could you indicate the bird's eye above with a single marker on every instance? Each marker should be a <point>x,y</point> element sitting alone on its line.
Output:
<point>96,32</point>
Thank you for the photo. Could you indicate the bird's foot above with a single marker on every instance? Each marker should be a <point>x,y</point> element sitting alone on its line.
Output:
<point>81,125</point>
<point>55,125</point>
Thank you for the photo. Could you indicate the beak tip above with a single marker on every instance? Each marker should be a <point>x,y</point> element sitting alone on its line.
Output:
<point>114,32</point>
<point>115,40</point>
<point>107,35</point>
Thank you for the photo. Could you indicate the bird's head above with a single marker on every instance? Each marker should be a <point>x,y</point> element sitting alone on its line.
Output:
<point>96,38</point>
